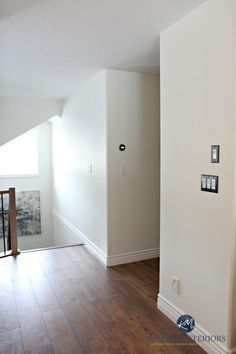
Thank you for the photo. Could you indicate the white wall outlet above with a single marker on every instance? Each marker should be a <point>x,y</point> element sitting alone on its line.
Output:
<point>90,168</point>
<point>175,284</point>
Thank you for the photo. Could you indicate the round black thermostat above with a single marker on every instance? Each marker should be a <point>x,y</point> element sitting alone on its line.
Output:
<point>122,147</point>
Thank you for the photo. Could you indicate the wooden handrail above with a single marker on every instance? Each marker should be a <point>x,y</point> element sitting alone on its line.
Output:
<point>4,192</point>
<point>12,242</point>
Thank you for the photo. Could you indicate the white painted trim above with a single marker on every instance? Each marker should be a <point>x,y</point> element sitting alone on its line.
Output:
<point>51,248</point>
<point>99,254</point>
<point>36,175</point>
<point>173,313</point>
<point>132,257</point>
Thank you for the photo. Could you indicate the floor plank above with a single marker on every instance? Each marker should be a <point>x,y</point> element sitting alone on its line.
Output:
<point>34,333</point>
<point>61,335</point>
<point>41,350</point>
<point>11,342</point>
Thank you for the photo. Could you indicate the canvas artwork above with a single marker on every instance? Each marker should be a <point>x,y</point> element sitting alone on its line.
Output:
<point>28,216</point>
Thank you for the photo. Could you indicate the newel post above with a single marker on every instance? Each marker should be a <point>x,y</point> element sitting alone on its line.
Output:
<point>12,222</point>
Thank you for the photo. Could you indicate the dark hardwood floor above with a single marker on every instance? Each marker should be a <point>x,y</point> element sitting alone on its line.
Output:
<point>64,301</point>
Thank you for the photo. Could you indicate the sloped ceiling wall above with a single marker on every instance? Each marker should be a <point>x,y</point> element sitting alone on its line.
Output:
<point>18,115</point>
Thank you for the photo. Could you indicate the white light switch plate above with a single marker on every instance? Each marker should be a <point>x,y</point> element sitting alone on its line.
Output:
<point>123,170</point>
<point>90,168</point>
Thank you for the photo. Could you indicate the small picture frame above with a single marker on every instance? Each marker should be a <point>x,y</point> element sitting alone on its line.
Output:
<point>215,153</point>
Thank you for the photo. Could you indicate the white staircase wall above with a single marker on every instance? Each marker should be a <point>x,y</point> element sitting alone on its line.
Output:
<point>78,141</point>
<point>41,182</point>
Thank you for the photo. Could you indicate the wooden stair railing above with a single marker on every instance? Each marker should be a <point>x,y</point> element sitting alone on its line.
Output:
<point>11,246</point>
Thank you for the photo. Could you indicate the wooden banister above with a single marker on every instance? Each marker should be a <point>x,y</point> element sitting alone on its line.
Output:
<point>12,242</point>
<point>4,192</point>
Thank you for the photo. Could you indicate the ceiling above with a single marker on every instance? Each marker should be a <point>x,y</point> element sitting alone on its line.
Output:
<point>50,47</point>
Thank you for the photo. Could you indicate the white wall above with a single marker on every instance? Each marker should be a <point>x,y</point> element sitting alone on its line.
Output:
<point>197,228</point>
<point>232,309</point>
<point>79,139</point>
<point>113,108</point>
<point>133,200</point>
<point>18,115</point>
<point>42,183</point>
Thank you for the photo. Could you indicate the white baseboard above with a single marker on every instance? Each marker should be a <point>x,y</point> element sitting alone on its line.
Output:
<point>108,261</point>
<point>133,257</point>
<point>173,313</point>
<point>99,254</point>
